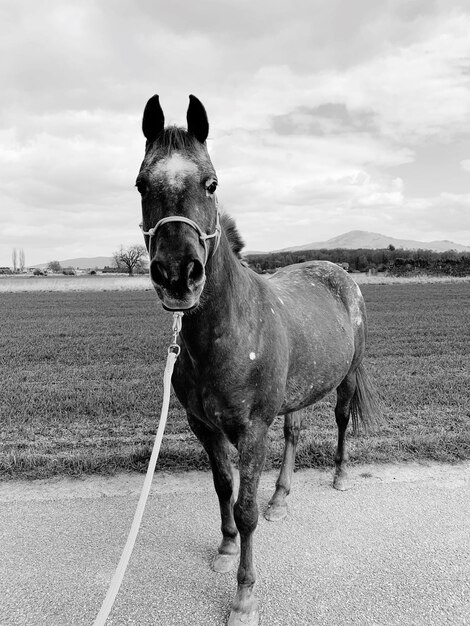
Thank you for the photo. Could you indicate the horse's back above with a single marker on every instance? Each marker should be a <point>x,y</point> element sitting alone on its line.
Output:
<point>319,282</point>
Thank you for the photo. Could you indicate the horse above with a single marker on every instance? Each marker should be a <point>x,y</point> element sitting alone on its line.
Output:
<point>251,347</point>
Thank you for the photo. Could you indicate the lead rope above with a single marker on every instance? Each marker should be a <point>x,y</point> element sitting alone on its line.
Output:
<point>173,352</point>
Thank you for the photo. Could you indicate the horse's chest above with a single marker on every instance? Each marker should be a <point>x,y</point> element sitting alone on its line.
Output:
<point>215,397</point>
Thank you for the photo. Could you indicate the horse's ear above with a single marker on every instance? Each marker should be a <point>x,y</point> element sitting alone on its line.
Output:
<point>153,121</point>
<point>198,124</point>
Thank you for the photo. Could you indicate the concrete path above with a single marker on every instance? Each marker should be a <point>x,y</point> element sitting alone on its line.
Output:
<point>394,550</point>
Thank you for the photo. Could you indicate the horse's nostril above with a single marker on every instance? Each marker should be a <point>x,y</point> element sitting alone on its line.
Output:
<point>195,271</point>
<point>158,273</point>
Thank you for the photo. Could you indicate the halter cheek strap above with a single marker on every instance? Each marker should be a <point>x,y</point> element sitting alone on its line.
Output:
<point>203,237</point>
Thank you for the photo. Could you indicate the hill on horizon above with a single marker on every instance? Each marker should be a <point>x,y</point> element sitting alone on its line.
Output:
<point>83,263</point>
<point>356,239</point>
<point>352,240</point>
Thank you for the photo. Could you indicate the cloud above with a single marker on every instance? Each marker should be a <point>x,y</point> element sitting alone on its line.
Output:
<point>317,115</point>
<point>67,183</point>
<point>410,93</point>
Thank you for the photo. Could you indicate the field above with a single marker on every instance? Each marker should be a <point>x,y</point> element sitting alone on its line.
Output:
<point>81,382</point>
<point>122,282</point>
<point>58,282</point>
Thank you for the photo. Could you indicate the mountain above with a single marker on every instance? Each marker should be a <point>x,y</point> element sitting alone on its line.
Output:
<point>83,263</point>
<point>356,239</point>
<point>351,240</point>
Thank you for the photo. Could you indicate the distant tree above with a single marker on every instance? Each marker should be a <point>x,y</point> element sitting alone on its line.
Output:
<point>54,266</point>
<point>14,258</point>
<point>391,247</point>
<point>21,260</point>
<point>362,263</point>
<point>130,259</point>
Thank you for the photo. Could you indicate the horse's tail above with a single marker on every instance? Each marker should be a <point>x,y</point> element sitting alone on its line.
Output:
<point>365,403</point>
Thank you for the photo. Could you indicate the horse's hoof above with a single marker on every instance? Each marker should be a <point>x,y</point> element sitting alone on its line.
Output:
<point>250,618</point>
<point>245,608</point>
<point>341,483</point>
<point>276,512</point>
<point>224,563</point>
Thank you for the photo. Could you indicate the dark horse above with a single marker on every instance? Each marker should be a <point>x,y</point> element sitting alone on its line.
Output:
<point>251,348</point>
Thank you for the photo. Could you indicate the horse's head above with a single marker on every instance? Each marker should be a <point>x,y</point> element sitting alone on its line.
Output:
<point>177,182</point>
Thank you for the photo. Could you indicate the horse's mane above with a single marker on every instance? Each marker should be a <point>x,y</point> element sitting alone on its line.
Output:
<point>233,235</point>
<point>176,138</point>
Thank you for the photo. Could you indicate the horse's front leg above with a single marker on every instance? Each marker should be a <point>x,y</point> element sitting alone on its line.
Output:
<point>277,506</point>
<point>217,448</point>
<point>252,452</point>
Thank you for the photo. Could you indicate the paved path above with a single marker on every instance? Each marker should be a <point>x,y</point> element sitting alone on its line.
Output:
<point>394,550</point>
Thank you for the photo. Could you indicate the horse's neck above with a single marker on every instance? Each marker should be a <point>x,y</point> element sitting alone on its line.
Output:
<point>226,286</point>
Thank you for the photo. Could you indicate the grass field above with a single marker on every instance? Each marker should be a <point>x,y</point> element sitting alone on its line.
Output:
<point>122,282</point>
<point>57,282</point>
<point>81,382</point>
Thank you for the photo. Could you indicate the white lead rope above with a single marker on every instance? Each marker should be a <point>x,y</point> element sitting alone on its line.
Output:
<point>173,352</point>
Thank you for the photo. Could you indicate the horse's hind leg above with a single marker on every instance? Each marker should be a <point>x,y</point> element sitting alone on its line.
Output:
<point>217,448</point>
<point>345,394</point>
<point>277,507</point>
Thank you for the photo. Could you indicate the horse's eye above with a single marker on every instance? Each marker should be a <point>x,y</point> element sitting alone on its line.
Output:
<point>141,187</point>
<point>212,187</point>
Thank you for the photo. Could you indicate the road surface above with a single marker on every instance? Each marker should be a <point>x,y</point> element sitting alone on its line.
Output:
<point>393,550</point>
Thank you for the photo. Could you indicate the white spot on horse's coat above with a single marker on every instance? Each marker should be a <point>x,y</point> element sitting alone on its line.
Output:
<point>252,356</point>
<point>175,169</point>
<point>356,315</point>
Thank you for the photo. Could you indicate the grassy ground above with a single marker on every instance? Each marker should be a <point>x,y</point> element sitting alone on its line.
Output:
<point>85,282</point>
<point>27,283</point>
<point>81,383</point>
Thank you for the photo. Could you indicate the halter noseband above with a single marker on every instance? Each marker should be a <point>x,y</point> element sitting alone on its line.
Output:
<point>203,237</point>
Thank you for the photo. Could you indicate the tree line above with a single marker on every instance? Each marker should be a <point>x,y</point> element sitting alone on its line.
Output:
<point>395,261</point>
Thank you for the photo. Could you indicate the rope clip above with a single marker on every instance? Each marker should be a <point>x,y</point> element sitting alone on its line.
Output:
<point>177,322</point>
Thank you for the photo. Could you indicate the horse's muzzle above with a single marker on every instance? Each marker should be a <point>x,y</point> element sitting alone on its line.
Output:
<point>178,284</point>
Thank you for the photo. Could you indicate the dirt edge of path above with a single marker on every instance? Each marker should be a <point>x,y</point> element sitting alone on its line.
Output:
<point>123,484</point>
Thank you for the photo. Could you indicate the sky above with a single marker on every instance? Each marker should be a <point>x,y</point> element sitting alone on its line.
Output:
<point>324,117</point>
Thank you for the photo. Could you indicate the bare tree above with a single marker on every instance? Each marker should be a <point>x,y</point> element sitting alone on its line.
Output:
<point>14,258</point>
<point>21,260</point>
<point>130,259</point>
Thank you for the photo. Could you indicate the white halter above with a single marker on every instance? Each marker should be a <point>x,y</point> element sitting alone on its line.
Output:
<point>203,237</point>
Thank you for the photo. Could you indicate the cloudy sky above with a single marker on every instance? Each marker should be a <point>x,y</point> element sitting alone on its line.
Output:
<point>324,116</point>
